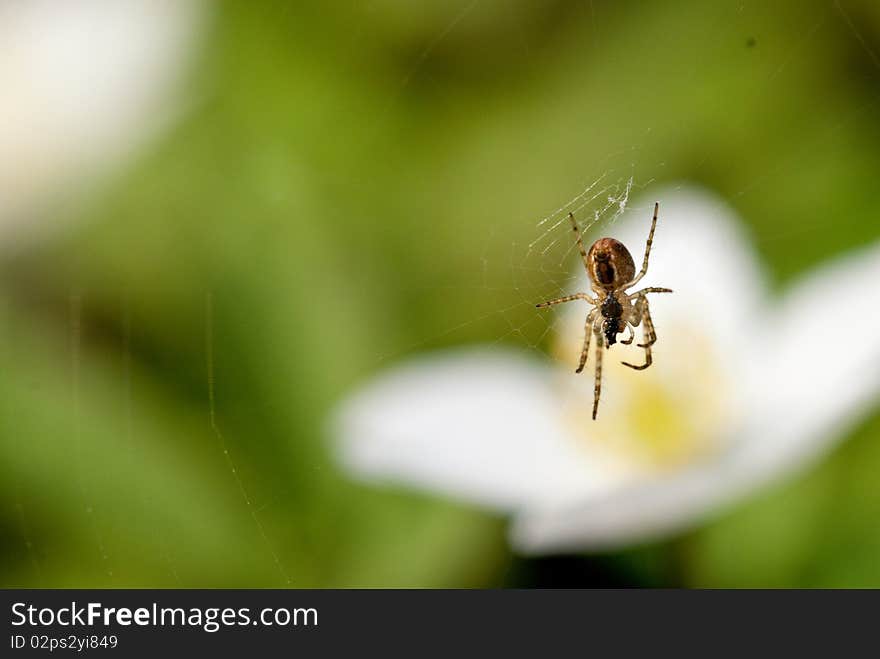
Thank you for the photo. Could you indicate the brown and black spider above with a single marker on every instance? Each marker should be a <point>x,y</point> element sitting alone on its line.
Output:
<point>611,269</point>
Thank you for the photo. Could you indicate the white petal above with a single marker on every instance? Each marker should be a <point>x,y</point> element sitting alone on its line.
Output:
<point>823,347</point>
<point>83,81</point>
<point>702,252</point>
<point>646,511</point>
<point>477,425</point>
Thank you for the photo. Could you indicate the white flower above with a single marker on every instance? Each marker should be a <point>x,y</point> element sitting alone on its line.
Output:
<point>83,82</point>
<point>745,387</point>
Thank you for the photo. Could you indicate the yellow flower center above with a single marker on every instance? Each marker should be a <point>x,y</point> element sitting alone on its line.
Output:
<point>661,418</point>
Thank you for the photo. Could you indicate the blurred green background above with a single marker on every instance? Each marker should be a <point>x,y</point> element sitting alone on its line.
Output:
<point>344,190</point>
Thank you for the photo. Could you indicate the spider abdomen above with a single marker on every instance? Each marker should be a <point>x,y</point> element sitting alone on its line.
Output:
<point>611,311</point>
<point>610,264</point>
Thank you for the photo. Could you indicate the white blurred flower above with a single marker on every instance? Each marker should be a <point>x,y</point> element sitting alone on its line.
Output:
<point>83,82</point>
<point>744,387</point>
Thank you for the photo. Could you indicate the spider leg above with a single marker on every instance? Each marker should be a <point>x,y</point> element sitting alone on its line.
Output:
<point>650,332</point>
<point>597,386</point>
<point>632,335</point>
<point>652,289</point>
<point>644,312</point>
<point>580,242</point>
<point>567,298</point>
<point>644,269</point>
<point>588,331</point>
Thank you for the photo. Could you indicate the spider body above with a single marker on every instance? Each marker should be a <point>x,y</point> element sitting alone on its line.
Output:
<point>612,270</point>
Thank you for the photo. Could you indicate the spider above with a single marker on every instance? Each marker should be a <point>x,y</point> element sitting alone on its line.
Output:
<point>611,268</point>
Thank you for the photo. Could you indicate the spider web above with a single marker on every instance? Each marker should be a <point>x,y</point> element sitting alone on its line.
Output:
<point>549,266</point>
